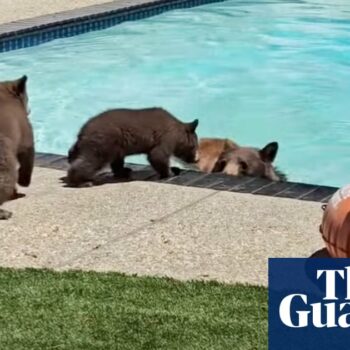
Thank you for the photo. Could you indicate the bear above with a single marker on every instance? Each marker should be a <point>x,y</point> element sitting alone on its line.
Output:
<point>210,150</point>
<point>16,141</point>
<point>226,156</point>
<point>114,134</point>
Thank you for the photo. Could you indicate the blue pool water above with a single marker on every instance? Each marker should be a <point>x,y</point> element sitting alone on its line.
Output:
<point>254,71</point>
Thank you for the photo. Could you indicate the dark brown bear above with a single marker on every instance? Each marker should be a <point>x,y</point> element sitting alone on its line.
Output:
<point>111,136</point>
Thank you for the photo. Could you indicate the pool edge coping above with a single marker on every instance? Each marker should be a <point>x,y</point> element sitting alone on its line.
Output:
<point>26,25</point>
<point>34,31</point>
<point>216,181</point>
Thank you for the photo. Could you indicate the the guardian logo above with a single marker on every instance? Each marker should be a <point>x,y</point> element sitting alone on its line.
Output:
<point>309,304</point>
<point>335,314</point>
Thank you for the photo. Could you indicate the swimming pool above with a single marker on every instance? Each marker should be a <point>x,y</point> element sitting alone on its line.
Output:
<point>254,71</point>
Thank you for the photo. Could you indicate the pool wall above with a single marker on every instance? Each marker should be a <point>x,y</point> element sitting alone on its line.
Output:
<point>39,30</point>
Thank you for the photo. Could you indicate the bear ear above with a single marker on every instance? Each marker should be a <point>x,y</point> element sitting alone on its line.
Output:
<point>193,126</point>
<point>269,152</point>
<point>18,87</point>
<point>21,84</point>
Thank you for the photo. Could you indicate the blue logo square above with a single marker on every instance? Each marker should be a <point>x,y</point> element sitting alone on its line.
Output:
<point>309,304</point>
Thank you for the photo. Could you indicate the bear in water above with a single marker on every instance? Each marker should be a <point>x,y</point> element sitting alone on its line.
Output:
<point>223,155</point>
<point>112,135</point>
<point>210,150</point>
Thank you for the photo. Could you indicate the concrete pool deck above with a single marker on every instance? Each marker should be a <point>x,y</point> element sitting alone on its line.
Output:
<point>15,10</point>
<point>149,228</point>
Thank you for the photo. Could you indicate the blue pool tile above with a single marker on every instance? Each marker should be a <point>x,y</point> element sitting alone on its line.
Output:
<point>273,188</point>
<point>211,180</point>
<point>184,178</point>
<point>6,45</point>
<point>250,185</point>
<point>321,194</point>
<point>297,191</point>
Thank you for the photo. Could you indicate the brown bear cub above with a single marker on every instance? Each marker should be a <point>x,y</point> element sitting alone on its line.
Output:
<point>16,141</point>
<point>111,136</point>
<point>222,155</point>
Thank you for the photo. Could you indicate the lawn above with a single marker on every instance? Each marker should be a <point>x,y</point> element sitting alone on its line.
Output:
<point>41,309</point>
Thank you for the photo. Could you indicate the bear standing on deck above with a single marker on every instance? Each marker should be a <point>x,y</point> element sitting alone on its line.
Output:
<point>16,141</point>
<point>111,136</point>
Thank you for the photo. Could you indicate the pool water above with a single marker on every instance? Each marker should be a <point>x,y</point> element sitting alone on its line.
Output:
<point>254,71</point>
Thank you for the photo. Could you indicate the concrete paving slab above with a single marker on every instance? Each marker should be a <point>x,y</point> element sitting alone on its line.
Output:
<point>53,225</point>
<point>13,10</point>
<point>227,237</point>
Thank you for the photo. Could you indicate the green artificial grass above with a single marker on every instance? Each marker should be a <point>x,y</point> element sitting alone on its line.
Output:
<point>41,309</point>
